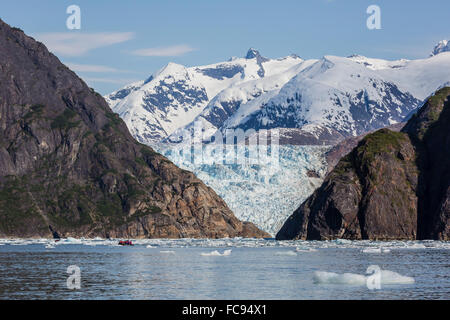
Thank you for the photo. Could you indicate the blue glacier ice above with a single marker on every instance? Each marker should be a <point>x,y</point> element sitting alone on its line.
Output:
<point>265,194</point>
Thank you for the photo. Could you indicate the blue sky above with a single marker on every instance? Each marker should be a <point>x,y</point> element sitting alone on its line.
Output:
<point>125,41</point>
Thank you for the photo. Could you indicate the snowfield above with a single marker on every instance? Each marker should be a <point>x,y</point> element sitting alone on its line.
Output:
<point>347,95</point>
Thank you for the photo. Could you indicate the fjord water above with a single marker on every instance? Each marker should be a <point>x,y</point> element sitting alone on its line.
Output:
<point>190,269</point>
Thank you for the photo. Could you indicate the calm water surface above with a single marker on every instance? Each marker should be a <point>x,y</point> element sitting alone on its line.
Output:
<point>255,269</point>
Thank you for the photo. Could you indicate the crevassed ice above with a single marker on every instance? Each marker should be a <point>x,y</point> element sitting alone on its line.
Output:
<point>265,194</point>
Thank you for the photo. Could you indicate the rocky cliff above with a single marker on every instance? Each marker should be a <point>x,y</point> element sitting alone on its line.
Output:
<point>344,147</point>
<point>393,185</point>
<point>67,161</point>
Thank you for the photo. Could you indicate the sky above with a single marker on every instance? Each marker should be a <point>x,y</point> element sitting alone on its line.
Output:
<point>120,42</point>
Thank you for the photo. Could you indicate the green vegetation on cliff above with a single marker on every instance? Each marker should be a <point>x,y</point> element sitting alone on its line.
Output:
<point>392,185</point>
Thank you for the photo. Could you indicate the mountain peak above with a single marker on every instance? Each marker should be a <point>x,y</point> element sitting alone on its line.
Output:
<point>171,68</point>
<point>442,46</point>
<point>252,53</point>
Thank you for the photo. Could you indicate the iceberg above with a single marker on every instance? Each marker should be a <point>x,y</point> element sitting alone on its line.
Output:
<point>216,253</point>
<point>387,277</point>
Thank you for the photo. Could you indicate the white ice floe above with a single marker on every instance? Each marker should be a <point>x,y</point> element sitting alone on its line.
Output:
<point>391,277</point>
<point>167,252</point>
<point>286,253</point>
<point>70,240</point>
<point>216,253</point>
<point>20,242</point>
<point>336,278</point>
<point>371,250</point>
<point>387,277</point>
<point>213,244</point>
<point>305,249</point>
<point>416,246</point>
<point>376,250</point>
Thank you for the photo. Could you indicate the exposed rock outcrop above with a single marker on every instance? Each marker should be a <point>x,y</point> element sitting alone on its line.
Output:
<point>393,185</point>
<point>68,162</point>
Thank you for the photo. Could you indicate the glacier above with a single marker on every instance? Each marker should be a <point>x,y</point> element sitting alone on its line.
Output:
<point>313,104</point>
<point>265,194</point>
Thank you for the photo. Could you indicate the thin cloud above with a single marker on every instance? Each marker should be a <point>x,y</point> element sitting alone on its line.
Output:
<point>171,51</point>
<point>77,44</point>
<point>90,68</point>
<point>108,80</point>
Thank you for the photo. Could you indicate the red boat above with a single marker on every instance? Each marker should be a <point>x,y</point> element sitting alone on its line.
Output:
<point>125,243</point>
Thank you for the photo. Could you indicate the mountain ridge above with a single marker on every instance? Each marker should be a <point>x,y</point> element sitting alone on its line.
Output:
<point>442,46</point>
<point>348,96</point>
<point>69,165</point>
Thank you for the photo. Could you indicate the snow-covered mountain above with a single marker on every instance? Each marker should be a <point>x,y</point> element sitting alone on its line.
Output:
<point>442,46</point>
<point>334,92</point>
<point>174,96</point>
<point>318,100</point>
<point>309,102</point>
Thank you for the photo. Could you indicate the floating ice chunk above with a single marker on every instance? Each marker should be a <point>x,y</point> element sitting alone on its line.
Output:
<point>167,252</point>
<point>391,277</point>
<point>372,250</point>
<point>286,253</point>
<point>150,246</point>
<point>90,243</point>
<point>305,249</point>
<point>342,241</point>
<point>70,240</point>
<point>376,250</point>
<point>21,242</point>
<point>336,278</point>
<point>49,246</point>
<point>416,246</point>
<point>387,277</point>
<point>217,253</point>
<point>18,242</point>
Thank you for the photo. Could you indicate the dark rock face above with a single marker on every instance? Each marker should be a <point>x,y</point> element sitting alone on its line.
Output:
<point>223,71</point>
<point>393,185</point>
<point>69,166</point>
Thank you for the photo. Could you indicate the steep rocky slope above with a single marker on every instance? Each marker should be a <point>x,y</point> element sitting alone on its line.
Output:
<point>67,161</point>
<point>393,185</point>
<point>344,147</point>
